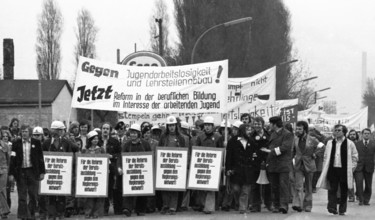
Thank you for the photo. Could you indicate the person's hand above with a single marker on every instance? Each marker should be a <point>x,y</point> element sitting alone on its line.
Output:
<point>11,178</point>
<point>41,177</point>
<point>119,171</point>
<point>265,150</point>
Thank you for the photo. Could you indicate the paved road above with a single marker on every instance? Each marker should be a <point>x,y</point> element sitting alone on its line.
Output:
<point>319,212</point>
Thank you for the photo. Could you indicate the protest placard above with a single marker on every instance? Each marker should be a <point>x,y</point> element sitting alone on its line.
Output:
<point>171,168</point>
<point>153,89</point>
<point>205,168</point>
<point>92,175</point>
<point>58,177</point>
<point>138,174</point>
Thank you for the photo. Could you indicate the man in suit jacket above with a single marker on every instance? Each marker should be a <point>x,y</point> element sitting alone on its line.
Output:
<point>27,167</point>
<point>56,205</point>
<point>113,148</point>
<point>306,149</point>
<point>279,163</point>
<point>365,167</point>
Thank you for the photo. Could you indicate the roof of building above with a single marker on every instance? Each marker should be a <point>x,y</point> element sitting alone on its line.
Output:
<point>26,91</point>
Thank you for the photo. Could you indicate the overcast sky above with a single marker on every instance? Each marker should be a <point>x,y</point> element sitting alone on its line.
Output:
<point>330,36</point>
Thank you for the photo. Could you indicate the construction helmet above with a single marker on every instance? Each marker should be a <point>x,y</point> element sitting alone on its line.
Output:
<point>171,120</point>
<point>237,124</point>
<point>57,125</point>
<point>208,120</point>
<point>135,127</point>
<point>38,130</point>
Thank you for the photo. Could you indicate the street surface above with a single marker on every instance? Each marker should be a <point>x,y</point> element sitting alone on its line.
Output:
<point>319,211</point>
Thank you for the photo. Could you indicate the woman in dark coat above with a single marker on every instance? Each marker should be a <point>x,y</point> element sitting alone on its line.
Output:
<point>240,166</point>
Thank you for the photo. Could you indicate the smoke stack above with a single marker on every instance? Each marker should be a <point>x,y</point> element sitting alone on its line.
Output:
<point>8,63</point>
<point>364,72</point>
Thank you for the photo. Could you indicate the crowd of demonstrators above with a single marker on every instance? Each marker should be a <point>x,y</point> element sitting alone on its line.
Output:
<point>296,161</point>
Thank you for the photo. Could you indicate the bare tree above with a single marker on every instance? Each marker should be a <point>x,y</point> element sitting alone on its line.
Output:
<point>368,99</point>
<point>250,47</point>
<point>86,35</point>
<point>160,14</point>
<point>298,88</point>
<point>48,41</point>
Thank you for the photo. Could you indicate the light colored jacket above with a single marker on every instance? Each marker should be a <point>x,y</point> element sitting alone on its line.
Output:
<point>352,156</point>
<point>313,149</point>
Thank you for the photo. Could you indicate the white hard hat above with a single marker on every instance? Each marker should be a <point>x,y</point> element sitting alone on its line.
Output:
<point>185,125</point>
<point>38,130</point>
<point>155,127</point>
<point>237,124</point>
<point>97,129</point>
<point>135,127</point>
<point>208,120</point>
<point>171,120</point>
<point>92,134</point>
<point>223,124</point>
<point>57,125</point>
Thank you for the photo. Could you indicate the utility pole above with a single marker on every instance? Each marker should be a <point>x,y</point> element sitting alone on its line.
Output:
<point>160,21</point>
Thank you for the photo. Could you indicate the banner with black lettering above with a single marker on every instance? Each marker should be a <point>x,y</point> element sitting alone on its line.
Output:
<point>171,168</point>
<point>191,88</point>
<point>205,168</point>
<point>92,175</point>
<point>285,108</point>
<point>58,177</point>
<point>138,174</point>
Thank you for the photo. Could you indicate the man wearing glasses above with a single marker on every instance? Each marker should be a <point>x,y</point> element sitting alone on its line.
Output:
<point>340,160</point>
<point>120,128</point>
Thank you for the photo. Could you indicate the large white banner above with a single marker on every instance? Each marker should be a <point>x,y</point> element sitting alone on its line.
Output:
<point>274,109</point>
<point>249,92</point>
<point>191,88</point>
<point>254,95</point>
<point>325,122</point>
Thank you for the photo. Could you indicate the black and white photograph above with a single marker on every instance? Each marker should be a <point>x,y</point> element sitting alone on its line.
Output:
<point>187,109</point>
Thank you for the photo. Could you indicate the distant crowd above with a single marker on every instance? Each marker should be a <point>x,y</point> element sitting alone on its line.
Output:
<point>267,166</point>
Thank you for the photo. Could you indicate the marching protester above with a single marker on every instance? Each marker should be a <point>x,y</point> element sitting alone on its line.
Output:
<point>74,129</point>
<point>261,137</point>
<point>84,129</point>
<point>27,168</point>
<point>305,150</point>
<point>340,160</point>
<point>208,139</point>
<point>121,129</point>
<point>56,205</point>
<point>135,144</point>
<point>156,132</point>
<point>4,167</point>
<point>42,203</point>
<point>229,199</point>
<point>146,135</point>
<point>171,138</point>
<point>14,128</point>
<point>112,147</point>
<point>94,207</point>
<point>5,136</point>
<point>365,167</point>
<point>240,166</point>
<point>353,136</point>
<point>279,164</point>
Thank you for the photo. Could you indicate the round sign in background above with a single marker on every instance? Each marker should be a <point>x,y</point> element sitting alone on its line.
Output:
<point>144,58</point>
